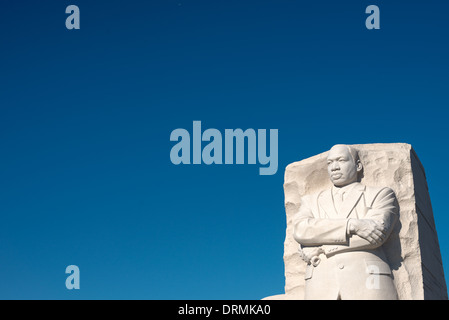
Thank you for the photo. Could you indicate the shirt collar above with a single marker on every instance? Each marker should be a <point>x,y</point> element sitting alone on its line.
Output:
<point>345,189</point>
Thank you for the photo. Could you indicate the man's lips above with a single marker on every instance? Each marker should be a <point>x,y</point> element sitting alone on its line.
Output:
<point>336,175</point>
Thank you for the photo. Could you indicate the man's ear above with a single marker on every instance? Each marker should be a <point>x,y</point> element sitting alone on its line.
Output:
<point>359,166</point>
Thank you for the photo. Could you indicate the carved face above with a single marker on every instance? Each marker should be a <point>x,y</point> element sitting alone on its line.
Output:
<point>341,166</point>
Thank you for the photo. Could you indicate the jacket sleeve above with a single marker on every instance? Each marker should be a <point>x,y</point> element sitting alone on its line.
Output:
<point>385,210</point>
<point>312,231</point>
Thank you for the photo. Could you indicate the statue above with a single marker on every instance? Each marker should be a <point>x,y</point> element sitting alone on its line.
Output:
<point>341,232</point>
<point>357,238</point>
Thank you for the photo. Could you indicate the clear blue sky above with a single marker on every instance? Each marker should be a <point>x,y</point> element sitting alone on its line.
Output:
<point>86,116</point>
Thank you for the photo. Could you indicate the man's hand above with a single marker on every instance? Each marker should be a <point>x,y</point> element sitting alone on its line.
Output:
<point>307,253</point>
<point>370,230</point>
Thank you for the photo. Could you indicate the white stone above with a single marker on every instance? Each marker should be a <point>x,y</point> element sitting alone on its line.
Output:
<point>412,249</point>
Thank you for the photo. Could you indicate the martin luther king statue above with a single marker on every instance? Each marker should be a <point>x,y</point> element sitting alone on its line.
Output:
<point>341,232</point>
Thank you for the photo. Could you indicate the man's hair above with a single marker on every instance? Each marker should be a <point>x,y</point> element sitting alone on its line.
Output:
<point>352,151</point>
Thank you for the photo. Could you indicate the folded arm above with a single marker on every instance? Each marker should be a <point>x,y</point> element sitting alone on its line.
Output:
<point>384,213</point>
<point>311,231</point>
<point>340,235</point>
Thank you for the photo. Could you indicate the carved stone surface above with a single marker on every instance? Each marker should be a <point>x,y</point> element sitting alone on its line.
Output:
<point>413,250</point>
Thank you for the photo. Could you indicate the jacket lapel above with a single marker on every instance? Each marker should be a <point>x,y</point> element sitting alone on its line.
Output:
<point>351,200</point>
<point>326,203</point>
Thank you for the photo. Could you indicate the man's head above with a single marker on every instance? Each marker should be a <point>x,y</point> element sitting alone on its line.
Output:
<point>343,165</point>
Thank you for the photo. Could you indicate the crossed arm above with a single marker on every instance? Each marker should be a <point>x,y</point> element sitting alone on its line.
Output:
<point>331,236</point>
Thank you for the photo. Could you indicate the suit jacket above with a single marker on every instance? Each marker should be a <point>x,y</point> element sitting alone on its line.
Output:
<point>351,267</point>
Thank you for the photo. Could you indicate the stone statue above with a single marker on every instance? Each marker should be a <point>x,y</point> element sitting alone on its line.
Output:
<point>341,232</point>
<point>357,238</point>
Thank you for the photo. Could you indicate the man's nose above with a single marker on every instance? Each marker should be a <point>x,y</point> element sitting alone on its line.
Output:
<point>335,166</point>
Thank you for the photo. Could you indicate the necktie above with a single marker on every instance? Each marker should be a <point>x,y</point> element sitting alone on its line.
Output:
<point>338,199</point>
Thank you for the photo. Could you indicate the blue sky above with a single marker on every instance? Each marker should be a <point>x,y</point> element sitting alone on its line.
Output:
<point>86,116</point>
